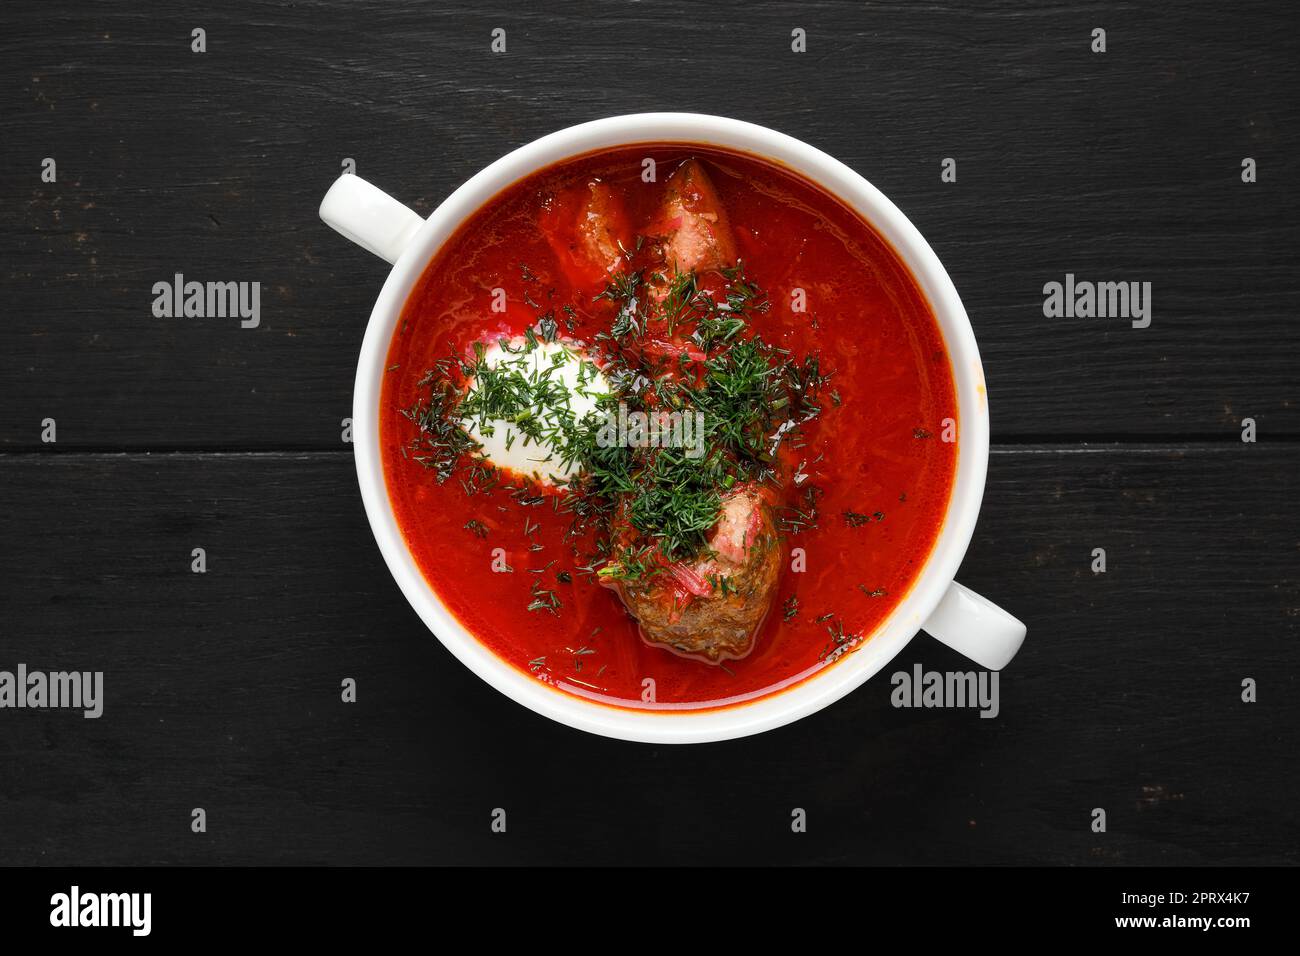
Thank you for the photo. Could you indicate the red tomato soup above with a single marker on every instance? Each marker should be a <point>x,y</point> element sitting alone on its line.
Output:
<point>857,500</point>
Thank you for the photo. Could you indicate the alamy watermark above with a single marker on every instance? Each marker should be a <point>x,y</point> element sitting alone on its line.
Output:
<point>208,300</point>
<point>661,429</point>
<point>1083,299</point>
<point>77,690</point>
<point>75,908</point>
<point>921,688</point>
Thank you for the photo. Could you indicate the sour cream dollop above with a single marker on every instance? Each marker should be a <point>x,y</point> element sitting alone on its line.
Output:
<point>570,386</point>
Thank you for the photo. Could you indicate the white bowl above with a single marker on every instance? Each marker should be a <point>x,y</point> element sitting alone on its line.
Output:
<point>951,613</point>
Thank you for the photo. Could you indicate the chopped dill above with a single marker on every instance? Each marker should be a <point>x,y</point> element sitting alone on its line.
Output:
<point>673,345</point>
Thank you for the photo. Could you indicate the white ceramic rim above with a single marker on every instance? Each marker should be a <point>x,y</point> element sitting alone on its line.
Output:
<point>933,580</point>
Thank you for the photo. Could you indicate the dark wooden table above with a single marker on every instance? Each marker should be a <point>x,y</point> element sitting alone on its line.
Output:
<point>223,688</point>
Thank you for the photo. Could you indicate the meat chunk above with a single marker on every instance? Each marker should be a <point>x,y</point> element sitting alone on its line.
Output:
<point>711,608</point>
<point>692,223</point>
<point>587,228</point>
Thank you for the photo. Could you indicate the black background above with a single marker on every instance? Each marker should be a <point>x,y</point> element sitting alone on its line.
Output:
<point>223,689</point>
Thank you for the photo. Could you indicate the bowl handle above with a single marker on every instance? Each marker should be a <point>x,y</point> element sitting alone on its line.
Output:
<point>369,217</point>
<point>975,626</point>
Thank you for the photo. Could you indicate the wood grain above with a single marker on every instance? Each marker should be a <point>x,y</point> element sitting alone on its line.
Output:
<point>1121,166</point>
<point>223,689</point>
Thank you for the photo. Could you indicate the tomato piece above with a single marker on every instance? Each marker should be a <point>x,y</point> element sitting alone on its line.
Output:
<point>586,225</point>
<point>685,575</point>
<point>674,348</point>
<point>693,223</point>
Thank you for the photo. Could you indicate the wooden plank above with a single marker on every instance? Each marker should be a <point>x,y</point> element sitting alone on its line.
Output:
<point>223,688</point>
<point>1122,166</point>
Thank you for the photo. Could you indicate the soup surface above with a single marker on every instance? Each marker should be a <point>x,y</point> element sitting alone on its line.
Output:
<point>725,563</point>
